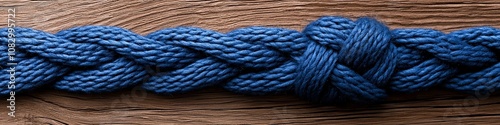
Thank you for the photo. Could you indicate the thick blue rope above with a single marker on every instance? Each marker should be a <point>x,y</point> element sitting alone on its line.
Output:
<point>333,60</point>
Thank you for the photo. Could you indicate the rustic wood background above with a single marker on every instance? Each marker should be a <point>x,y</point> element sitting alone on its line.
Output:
<point>216,106</point>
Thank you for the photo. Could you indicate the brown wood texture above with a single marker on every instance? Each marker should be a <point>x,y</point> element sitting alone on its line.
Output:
<point>217,106</point>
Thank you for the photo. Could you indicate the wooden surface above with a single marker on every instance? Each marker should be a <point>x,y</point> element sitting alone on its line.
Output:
<point>217,106</point>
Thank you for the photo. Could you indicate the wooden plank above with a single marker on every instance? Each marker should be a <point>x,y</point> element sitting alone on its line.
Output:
<point>217,106</point>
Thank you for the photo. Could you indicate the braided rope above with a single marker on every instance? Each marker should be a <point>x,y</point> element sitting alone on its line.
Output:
<point>333,60</point>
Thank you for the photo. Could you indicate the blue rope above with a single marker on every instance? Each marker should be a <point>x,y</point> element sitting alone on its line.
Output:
<point>333,60</point>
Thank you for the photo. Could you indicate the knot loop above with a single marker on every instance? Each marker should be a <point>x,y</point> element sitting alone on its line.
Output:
<point>346,61</point>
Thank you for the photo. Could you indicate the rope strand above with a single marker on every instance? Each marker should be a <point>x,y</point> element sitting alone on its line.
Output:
<point>334,60</point>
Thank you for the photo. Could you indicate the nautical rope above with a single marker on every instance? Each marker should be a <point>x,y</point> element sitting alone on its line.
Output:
<point>334,59</point>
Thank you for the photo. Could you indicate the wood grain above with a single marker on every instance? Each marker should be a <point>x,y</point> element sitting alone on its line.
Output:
<point>217,106</point>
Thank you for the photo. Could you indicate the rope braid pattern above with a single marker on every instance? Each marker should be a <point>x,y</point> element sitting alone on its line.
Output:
<point>333,60</point>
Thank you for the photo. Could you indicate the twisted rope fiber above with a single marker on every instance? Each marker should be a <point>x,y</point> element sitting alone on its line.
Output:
<point>333,60</point>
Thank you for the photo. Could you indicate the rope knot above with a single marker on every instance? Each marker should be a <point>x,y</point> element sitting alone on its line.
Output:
<point>347,60</point>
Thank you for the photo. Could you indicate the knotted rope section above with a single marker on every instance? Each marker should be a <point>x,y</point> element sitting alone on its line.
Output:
<point>333,60</point>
